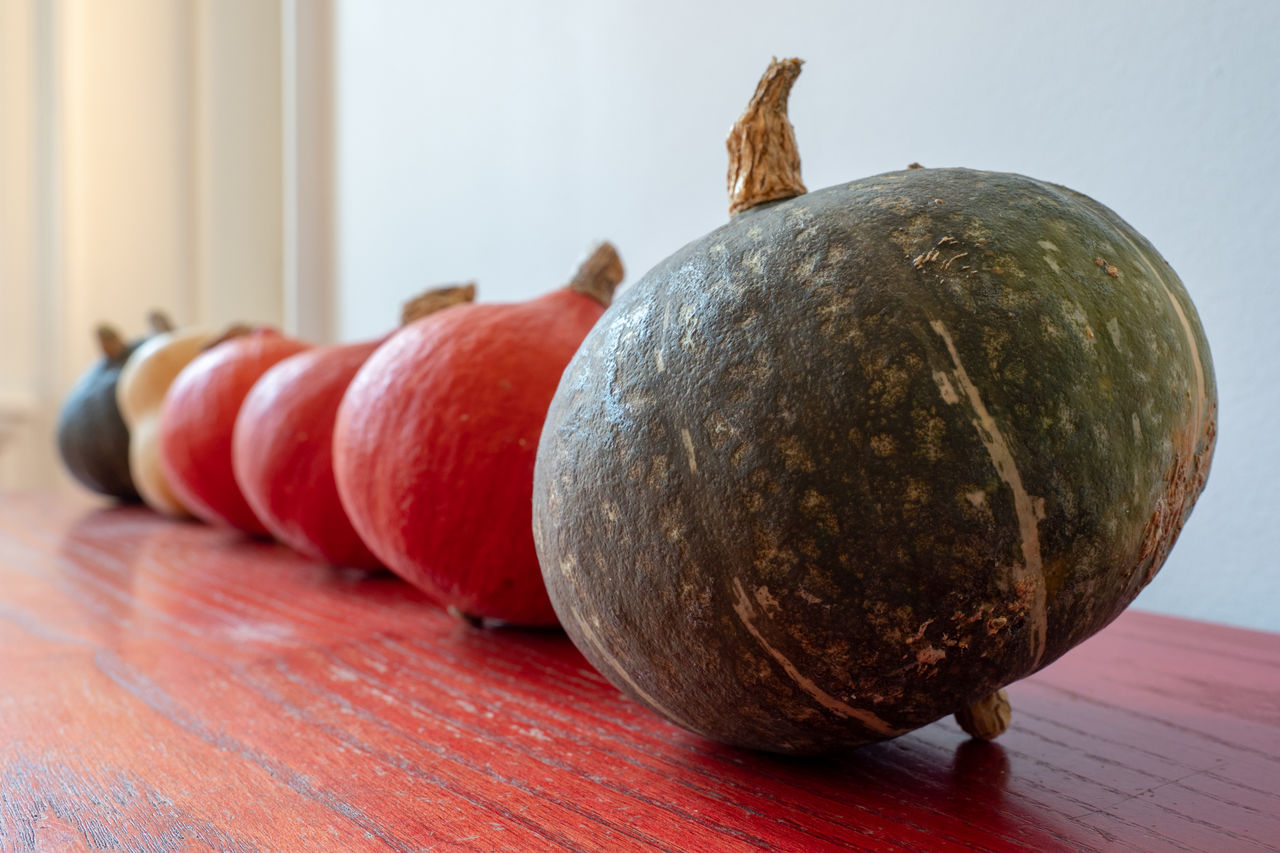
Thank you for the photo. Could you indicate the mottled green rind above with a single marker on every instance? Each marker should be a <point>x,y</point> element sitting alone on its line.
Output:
<point>767,504</point>
<point>92,438</point>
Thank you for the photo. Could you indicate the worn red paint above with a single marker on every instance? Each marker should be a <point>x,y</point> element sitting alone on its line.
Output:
<point>172,685</point>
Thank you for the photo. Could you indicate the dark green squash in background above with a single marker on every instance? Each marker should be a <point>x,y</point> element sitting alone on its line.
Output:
<point>861,457</point>
<point>93,441</point>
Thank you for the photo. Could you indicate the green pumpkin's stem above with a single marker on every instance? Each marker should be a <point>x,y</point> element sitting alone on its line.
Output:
<point>987,718</point>
<point>436,299</point>
<point>764,164</point>
<point>599,275</point>
<point>159,322</point>
<point>109,341</point>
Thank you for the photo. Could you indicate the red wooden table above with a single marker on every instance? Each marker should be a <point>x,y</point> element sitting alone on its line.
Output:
<point>168,686</point>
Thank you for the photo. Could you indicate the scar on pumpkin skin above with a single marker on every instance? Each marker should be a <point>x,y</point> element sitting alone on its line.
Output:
<point>688,446</point>
<point>594,640</point>
<point>1032,569</point>
<point>662,339</point>
<point>1113,326</point>
<point>746,613</point>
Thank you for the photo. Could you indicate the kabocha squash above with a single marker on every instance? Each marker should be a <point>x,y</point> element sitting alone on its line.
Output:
<point>863,456</point>
<point>282,447</point>
<point>92,437</point>
<point>140,392</point>
<point>435,438</point>
<point>197,419</point>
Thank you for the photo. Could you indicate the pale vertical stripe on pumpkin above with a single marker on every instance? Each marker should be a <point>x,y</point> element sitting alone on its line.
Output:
<point>590,636</point>
<point>1201,385</point>
<point>746,613</point>
<point>1032,569</point>
<point>688,447</point>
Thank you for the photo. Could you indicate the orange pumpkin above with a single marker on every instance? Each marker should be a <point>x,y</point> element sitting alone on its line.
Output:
<point>281,449</point>
<point>197,420</point>
<point>434,443</point>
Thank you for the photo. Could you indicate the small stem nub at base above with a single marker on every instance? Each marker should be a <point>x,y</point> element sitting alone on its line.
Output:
<point>987,718</point>
<point>470,618</point>
<point>599,275</point>
<point>764,164</point>
<point>435,300</point>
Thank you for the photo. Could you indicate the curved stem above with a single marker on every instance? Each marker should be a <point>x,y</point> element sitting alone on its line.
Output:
<point>764,164</point>
<point>109,341</point>
<point>436,299</point>
<point>599,275</point>
<point>987,718</point>
<point>159,322</point>
<point>235,330</point>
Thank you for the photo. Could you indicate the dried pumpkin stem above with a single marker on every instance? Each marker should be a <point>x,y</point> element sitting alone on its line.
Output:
<point>599,275</point>
<point>987,718</point>
<point>159,322</point>
<point>764,164</point>
<point>109,341</point>
<point>436,299</point>
<point>235,330</point>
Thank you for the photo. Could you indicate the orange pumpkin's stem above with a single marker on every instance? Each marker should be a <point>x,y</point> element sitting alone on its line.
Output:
<point>436,299</point>
<point>764,164</point>
<point>599,275</point>
<point>235,330</point>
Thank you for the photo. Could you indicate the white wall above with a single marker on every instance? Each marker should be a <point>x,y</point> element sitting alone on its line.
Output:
<point>495,141</point>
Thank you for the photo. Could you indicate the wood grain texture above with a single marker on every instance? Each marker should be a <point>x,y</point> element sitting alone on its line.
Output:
<point>170,686</point>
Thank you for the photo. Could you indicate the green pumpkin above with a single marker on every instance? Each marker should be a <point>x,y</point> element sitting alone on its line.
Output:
<point>863,456</point>
<point>91,435</point>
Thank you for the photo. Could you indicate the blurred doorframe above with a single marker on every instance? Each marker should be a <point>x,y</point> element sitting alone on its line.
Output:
<point>154,154</point>
<point>309,178</point>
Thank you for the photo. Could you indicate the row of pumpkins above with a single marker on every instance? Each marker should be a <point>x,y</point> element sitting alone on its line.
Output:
<point>851,462</point>
<point>414,451</point>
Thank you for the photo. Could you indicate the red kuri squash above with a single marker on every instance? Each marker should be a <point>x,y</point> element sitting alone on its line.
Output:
<point>197,419</point>
<point>282,445</point>
<point>434,444</point>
